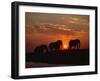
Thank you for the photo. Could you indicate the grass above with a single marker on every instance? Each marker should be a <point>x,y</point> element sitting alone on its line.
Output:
<point>58,58</point>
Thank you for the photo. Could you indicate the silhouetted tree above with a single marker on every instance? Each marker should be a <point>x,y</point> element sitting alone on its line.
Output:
<point>74,43</point>
<point>55,46</point>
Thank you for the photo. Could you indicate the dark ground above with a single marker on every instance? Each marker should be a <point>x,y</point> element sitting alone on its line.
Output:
<point>70,57</point>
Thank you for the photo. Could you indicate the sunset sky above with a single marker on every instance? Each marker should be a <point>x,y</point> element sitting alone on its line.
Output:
<point>43,28</point>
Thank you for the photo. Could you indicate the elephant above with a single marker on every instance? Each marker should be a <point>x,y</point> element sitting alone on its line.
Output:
<point>55,46</point>
<point>41,49</point>
<point>74,44</point>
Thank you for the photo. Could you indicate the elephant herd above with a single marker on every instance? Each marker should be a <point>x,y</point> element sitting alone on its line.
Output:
<point>53,46</point>
<point>56,46</point>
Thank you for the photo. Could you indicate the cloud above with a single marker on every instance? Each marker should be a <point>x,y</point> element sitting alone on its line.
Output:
<point>51,29</point>
<point>54,24</point>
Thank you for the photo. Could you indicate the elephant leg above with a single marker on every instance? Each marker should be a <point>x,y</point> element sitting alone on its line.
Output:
<point>76,46</point>
<point>79,45</point>
<point>69,47</point>
<point>52,49</point>
<point>46,49</point>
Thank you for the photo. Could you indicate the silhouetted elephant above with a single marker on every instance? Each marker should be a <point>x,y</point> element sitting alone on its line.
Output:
<point>74,43</point>
<point>41,49</point>
<point>55,46</point>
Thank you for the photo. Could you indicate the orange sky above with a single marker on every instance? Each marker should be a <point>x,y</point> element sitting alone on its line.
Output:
<point>43,28</point>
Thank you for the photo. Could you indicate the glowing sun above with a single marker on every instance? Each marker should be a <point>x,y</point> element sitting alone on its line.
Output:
<point>64,46</point>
